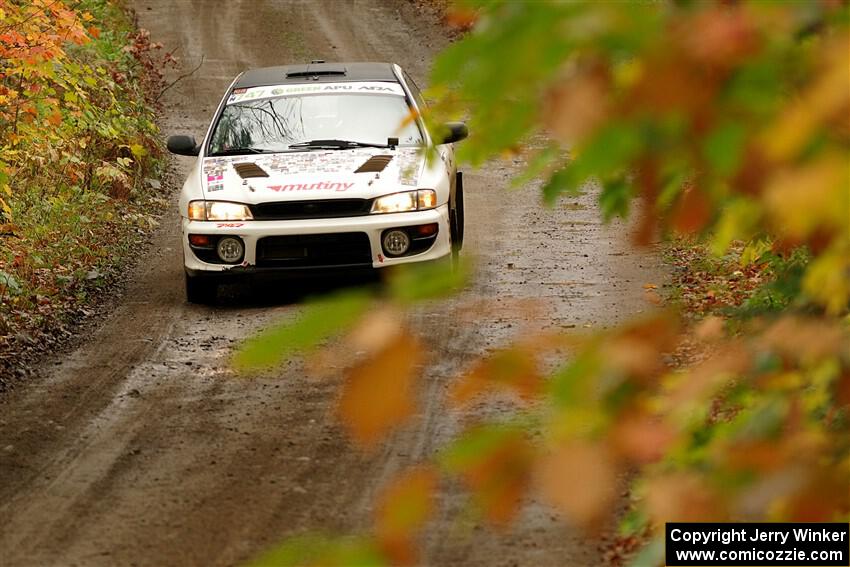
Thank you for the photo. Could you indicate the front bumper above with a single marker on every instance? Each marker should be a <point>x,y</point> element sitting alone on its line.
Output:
<point>372,225</point>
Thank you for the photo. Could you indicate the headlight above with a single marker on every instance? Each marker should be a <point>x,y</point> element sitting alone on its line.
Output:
<point>407,201</point>
<point>218,211</point>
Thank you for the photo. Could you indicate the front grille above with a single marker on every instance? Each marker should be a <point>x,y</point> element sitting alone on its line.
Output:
<point>317,209</point>
<point>315,250</point>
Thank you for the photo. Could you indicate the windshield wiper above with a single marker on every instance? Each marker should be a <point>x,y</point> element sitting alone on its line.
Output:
<point>241,152</point>
<point>336,144</point>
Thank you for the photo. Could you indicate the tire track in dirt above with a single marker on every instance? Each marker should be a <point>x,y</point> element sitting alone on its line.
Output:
<point>141,448</point>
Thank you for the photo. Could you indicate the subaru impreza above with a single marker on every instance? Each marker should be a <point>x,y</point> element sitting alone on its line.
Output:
<point>317,169</point>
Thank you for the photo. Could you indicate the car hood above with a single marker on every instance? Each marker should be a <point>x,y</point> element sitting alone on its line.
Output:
<point>319,174</point>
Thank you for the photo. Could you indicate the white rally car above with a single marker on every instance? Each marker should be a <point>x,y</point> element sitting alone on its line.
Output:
<point>317,168</point>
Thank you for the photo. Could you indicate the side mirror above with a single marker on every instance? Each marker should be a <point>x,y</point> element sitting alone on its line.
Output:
<point>183,145</point>
<point>454,132</point>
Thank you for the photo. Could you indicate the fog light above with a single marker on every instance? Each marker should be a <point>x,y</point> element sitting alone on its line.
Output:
<point>396,242</point>
<point>230,249</point>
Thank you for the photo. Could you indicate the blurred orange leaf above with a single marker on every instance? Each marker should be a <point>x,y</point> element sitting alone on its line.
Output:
<point>805,339</point>
<point>378,392</point>
<point>637,349</point>
<point>495,463</point>
<point>640,438</point>
<point>371,334</point>
<point>682,497</point>
<point>824,495</point>
<point>580,479</point>
<point>705,379</point>
<point>402,509</point>
<point>577,106</point>
<point>710,328</point>
<point>513,368</point>
<point>692,212</point>
<point>461,18</point>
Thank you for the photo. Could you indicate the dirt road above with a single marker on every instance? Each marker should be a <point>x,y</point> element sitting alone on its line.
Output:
<point>140,447</point>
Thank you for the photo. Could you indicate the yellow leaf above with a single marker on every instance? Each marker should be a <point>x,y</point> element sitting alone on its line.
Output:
<point>827,95</point>
<point>827,281</point>
<point>754,250</point>
<point>138,150</point>
<point>810,198</point>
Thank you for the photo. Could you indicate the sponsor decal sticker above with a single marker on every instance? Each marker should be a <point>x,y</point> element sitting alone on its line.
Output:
<point>229,224</point>
<point>215,187</point>
<point>406,166</point>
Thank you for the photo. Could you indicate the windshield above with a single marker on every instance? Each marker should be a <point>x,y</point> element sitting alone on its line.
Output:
<point>275,124</point>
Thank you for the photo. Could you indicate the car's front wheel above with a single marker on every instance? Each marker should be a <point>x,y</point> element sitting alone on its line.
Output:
<point>201,290</point>
<point>456,217</point>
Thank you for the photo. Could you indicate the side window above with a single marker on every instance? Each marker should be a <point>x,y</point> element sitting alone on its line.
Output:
<point>414,90</point>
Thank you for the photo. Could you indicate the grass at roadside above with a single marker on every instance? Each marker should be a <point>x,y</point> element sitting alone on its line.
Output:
<point>743,282</point>
<point>712,292</point>
<point>79,163</point>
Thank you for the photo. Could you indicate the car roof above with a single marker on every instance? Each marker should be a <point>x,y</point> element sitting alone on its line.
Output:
<point>317,71</point>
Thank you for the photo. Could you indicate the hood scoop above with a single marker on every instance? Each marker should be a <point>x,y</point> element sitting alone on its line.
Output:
<point>247,170</point>
<point>374,164</point>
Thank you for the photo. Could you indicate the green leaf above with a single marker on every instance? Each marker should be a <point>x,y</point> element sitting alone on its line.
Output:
<point>562,181</point>
<point>652,555</point>
<point>634,522</point>
<point>322,550</point>
<point>615,198</point>
<point>8,284</point>
<point>415,282</point>
<point>542,160</point>
<point>474,443</point>
<point>569,385</point>
<point>611,149</point>
<point>723,147</point>
<point>319,320</point>
<point>604,156</point>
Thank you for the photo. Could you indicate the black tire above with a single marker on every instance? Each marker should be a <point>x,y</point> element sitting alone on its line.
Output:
<point>459,206</point>
<point>202,291</point>
<point>456,217</point>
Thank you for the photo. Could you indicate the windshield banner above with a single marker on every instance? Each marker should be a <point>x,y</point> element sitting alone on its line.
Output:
<point>272,91</point>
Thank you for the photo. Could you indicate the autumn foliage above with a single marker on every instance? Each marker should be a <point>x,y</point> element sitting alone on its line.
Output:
<point>728,123</point>
<point>77,142</point>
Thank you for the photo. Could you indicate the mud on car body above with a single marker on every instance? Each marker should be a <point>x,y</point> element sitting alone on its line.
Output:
<point>317,168</point>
